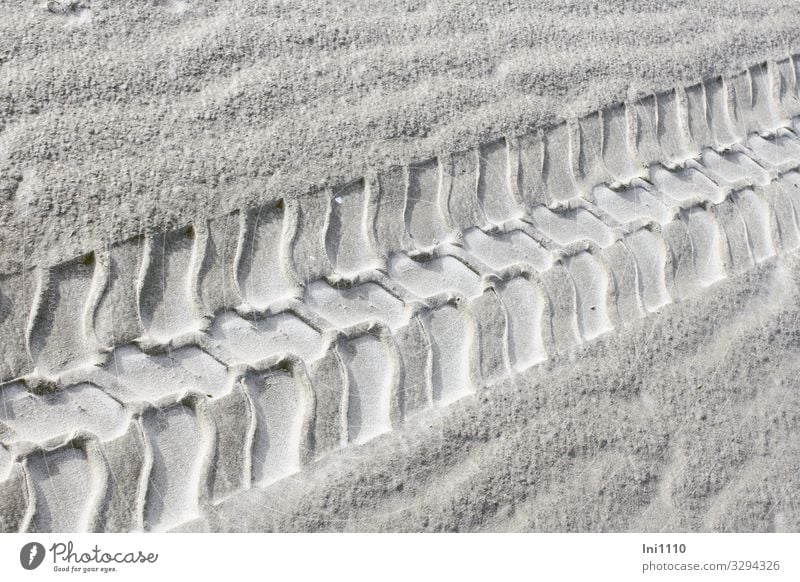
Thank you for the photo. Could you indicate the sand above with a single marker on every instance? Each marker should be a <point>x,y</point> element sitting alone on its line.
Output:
<point>686,422</point>
<point>430,267</point>
<point>117,118</point>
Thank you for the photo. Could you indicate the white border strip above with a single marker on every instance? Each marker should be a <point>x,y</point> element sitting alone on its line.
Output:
<point>403,558</point>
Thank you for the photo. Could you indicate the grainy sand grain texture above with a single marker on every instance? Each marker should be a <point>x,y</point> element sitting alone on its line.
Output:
<point>399,266</point>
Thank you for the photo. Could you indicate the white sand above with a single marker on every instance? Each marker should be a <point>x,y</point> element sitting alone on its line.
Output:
<point>308,267</point>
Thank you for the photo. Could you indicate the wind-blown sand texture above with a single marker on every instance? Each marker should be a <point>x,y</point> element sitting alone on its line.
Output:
<point>400,351</point>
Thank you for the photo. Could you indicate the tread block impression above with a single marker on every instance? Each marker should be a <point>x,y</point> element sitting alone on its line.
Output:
<point>306,248</point>
<point>179,448</point>
<point>561,331</point>
<point>718,100</point>
<point>574,226</point>
<point>415,351</point>
<point>752,91</point>
<point>82,407</point>
<point>697,117</point>
<point>685,185</point>
<point>590,278</point>
<point>253,340</point>
<point>558,168</point>
<point>788,97</point>
<point>631,204</point>
<point>282,405</point>
<point>148,377</point>
<point>217,276</point>
<point>618,150</point>
<point>60,337</point>
<point>494,186</point>
<point>525,306</point>
<point>680,277</point>
<point>346,307</point>
<point>673,137</point>
<point>506,249</point>
<point>758,220</point>
<point>707,245</point>
<point>262,268</point>
<point>390,207</point>
<point>460,189</point>
<point>645,112</point>
<point>347,242</point>
<point>737,256</point>
<point>434,276</point>
<point>778,153</point>
<point>650,254</point>
<point>116,318</point>
<point>167,303</point>
<point>423,214</point>
<point>451,334</point>
<point>234,424</point>
<point>126,459</point>
<point>491,335</point>
<point>780,202</point>
<point>733,169</point>
<point>329,379</point>
<point>530,170</point>
<point>370,387</point>
<point>790,183</point>
<point>624,302</point>
<point>67,490</point>
<point>591,169</point>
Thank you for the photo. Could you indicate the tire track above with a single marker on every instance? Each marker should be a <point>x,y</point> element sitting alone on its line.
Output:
<point>326,325</point>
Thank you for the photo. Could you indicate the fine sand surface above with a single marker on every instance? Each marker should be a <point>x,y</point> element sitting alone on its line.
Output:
<point>292,266</point>
<point>687,421</point>
<point>119,116</point>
